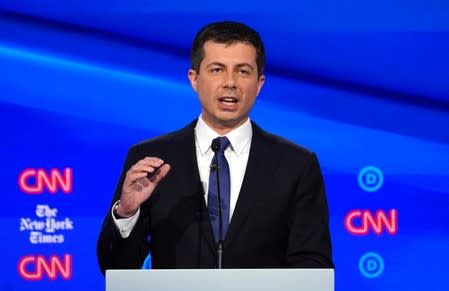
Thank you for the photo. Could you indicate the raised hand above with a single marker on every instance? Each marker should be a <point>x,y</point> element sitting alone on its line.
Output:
<point>137,188</point>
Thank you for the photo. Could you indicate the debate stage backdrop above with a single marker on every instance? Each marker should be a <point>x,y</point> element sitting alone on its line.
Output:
<point>364,84</point>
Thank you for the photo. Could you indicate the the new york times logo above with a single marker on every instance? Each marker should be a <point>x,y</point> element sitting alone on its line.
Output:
<point>45,228</point>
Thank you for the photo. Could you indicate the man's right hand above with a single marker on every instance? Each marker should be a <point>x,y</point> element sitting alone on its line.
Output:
<point>137,188</point>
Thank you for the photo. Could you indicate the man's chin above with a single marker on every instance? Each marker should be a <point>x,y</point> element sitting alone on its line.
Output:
<point>232,122</point>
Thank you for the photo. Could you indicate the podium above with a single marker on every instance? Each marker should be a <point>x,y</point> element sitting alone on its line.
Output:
<point>221,280</point>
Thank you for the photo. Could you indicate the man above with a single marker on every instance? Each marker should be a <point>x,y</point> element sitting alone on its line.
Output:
<point>273,202</point>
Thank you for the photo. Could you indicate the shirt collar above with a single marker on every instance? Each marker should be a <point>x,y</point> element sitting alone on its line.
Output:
<point>240,137</point>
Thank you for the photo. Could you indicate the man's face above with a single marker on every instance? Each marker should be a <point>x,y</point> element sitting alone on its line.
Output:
<point>227,84</point>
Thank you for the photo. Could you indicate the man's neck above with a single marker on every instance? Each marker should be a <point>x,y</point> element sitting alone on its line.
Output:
<point>223,129</point>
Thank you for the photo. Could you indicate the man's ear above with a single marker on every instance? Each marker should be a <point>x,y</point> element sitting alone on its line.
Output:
<point>261,81</point>
<point>193,77</point>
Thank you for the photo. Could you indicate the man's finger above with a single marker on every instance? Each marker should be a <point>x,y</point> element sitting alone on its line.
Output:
<point>132,177</point>
<point>143,168</point>
<point>162,172</point>
<point>153,159</point>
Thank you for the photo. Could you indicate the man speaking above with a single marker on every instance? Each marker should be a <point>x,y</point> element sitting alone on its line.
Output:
<point>220,192</point>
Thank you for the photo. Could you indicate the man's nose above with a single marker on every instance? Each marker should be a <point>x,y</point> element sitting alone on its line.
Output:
<point>229,81</point>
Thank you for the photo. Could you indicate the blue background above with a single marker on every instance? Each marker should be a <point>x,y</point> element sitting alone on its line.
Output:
<point>360,83</point>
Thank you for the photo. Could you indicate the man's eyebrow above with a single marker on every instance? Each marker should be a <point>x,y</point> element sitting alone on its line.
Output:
<point>223,65</point>
<point>216,64</point>
<point>245,65</point>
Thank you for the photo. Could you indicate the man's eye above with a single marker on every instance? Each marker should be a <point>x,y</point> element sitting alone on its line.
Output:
<point>244,72</point>
<point>215,70</point>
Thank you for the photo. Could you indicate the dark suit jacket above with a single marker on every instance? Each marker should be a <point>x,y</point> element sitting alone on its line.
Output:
<point>280,220</point>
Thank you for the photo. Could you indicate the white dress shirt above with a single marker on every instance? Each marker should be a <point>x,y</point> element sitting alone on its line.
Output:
<point>236,154</point>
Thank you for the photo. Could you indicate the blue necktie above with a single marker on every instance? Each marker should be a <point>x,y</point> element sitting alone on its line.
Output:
<point>225,189</point>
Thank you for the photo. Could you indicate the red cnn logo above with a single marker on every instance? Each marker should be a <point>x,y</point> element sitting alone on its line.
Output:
<point>34,181</point>
<point>378,222</point>
<point>33,268</point>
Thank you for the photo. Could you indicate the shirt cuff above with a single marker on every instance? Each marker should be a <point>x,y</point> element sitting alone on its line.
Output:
<point>125,225</point>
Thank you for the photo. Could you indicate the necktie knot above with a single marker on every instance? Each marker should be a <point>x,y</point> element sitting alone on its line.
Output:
<point>220,144</point>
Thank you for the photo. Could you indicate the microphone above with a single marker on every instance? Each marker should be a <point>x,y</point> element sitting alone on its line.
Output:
<point>215,166</point>
<point>216,145</point>
<point>215,148</point>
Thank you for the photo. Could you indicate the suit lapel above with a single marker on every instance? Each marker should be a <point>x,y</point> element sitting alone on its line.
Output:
<point>189,179</point>
<point>261,158</point>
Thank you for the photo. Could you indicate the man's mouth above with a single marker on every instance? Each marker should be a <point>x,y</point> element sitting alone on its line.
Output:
<point>228,100</point>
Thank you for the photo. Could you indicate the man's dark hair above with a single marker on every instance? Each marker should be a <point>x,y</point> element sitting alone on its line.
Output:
<point>227,32</point>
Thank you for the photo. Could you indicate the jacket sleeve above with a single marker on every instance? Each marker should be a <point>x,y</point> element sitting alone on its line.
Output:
<point>113,251</point>
<point>309,243</point>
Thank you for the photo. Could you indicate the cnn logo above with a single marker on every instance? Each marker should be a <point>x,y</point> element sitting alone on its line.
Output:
<point>360,222</point>
<point>34,268</point>
<point>35,181</point>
